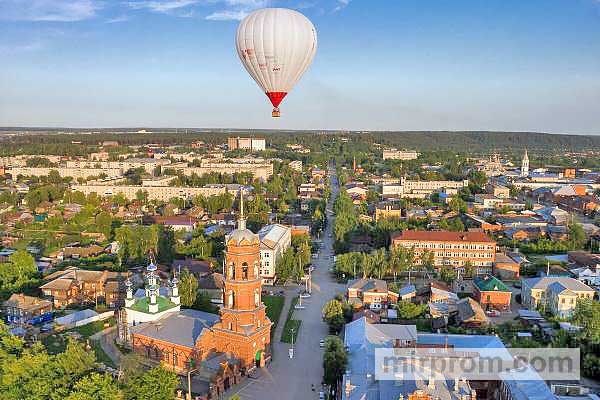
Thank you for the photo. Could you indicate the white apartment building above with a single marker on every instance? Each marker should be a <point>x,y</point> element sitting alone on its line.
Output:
<point>159,192</point>
<point>296,165</point>
<point>395,154</point>
<point>254,144</point>
<point>419,189</point>
<point>148,164</point>
<point>275,239</point>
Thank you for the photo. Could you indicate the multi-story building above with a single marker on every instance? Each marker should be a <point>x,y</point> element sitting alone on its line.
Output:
<point>387,210</point>
<point>451,248</point>
<point>254,144</point>
<point>274,241</point>
<point>148,164</point>
<point>64,172</point>
<point>557,294</point>
<point>75,286</point>
<point>394,154</point>
<point>419,189</point>
<point>160,192</point>
<point>20,308</point>
<point>296,165</point>
<point>262,170</point>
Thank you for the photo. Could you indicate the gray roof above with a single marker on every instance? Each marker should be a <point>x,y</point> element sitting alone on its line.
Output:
<point>362,339</point>
<point>367,285</point>
<point>542,283</point>
<point>182,328</point>
<point>559,288</point>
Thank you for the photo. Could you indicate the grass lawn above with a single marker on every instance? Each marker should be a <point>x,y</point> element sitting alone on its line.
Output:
<point>94,327</point>
<point>291,324</point>
<point>274,306</point>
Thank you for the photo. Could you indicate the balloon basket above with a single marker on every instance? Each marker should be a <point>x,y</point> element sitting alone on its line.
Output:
<point>275,113</point>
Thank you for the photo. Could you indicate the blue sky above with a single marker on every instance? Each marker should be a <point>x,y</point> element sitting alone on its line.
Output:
<point>381,64</point>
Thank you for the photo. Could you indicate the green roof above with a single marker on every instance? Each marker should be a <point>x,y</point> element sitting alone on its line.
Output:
<point>490,283</point>
<point>142,304</point>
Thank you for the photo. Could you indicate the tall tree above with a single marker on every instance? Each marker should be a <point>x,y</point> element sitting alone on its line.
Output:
<point>188,288</point>
<point>96,387</point>
<point>156,384</point>
<point>335,361</point>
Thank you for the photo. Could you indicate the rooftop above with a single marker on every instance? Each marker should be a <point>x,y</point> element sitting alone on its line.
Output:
<point>490,283</point>
<point>143,304</point>
<point>444,236</point>
<point>182,328</point>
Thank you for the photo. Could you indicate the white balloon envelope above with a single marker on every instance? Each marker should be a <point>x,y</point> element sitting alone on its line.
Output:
<point>276,46</point>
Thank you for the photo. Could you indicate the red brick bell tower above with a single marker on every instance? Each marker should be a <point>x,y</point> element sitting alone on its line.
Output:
<point>245,329</point>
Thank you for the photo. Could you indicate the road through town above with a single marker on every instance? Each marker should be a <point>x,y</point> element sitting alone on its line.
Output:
<point>289,378</point>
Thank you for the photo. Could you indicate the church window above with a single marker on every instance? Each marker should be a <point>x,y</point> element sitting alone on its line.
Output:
<point>244,271</point>
<point>231,299</point>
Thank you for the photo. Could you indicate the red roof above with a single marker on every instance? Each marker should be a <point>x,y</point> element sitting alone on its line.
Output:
<point>443,236</point>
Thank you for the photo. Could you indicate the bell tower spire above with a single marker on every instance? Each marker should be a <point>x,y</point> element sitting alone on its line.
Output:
<point>242,219</point>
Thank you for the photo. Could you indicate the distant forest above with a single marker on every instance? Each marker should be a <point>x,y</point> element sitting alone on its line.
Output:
<point>465,142</point>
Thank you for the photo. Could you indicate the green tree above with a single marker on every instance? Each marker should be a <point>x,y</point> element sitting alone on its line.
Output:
<point>401,259</point>
<point>409,310</point>
<point>19,272</point>
<point>188,288</point>
<point>335,361</point>
<point>166,244</point>
<point>587,315</point>
<point>156,384</point>
<point>96,387</point>
<point>333,315</point>
<point>577,237</point>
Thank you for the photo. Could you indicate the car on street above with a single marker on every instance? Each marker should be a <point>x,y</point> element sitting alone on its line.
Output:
<point>321,395</point>
<point>322,343</point>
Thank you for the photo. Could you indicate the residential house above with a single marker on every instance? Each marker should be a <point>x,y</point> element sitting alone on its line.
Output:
<point>506,268</point>
<point>186,223</point>
<point>212,284</point>
<point>275,239</point>
<point>370,293</point>
<point>489,291</point>
<point>559,299</point>
<point>470,313</point>
<point>554,215</point>
<point>388,210</point>
<point>77,286</point>
<point>199,268</point>
<point>20,308</point>
<point>585,267</point>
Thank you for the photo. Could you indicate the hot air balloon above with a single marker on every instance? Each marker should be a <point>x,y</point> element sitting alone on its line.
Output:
<point>276,46</point>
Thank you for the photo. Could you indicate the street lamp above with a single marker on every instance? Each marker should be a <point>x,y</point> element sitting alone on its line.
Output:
<point>189,379</point>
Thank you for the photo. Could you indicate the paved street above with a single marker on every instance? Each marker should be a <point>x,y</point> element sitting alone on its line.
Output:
<point>292,378</point>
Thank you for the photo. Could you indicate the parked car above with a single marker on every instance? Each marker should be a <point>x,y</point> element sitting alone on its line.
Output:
<point>322,343</point>
<point>321,395</point>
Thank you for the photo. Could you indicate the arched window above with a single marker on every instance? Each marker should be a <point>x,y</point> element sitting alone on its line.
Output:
<point>231,299</point>
<point>231,274</point>
<point>244,271</point>
<point>256,297</point>
<point>255,269</point>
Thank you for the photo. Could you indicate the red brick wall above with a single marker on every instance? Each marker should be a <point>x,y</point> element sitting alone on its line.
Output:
<point>499,300</point>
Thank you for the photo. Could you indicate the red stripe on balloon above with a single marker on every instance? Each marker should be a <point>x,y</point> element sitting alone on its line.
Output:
<point>276,97</point>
